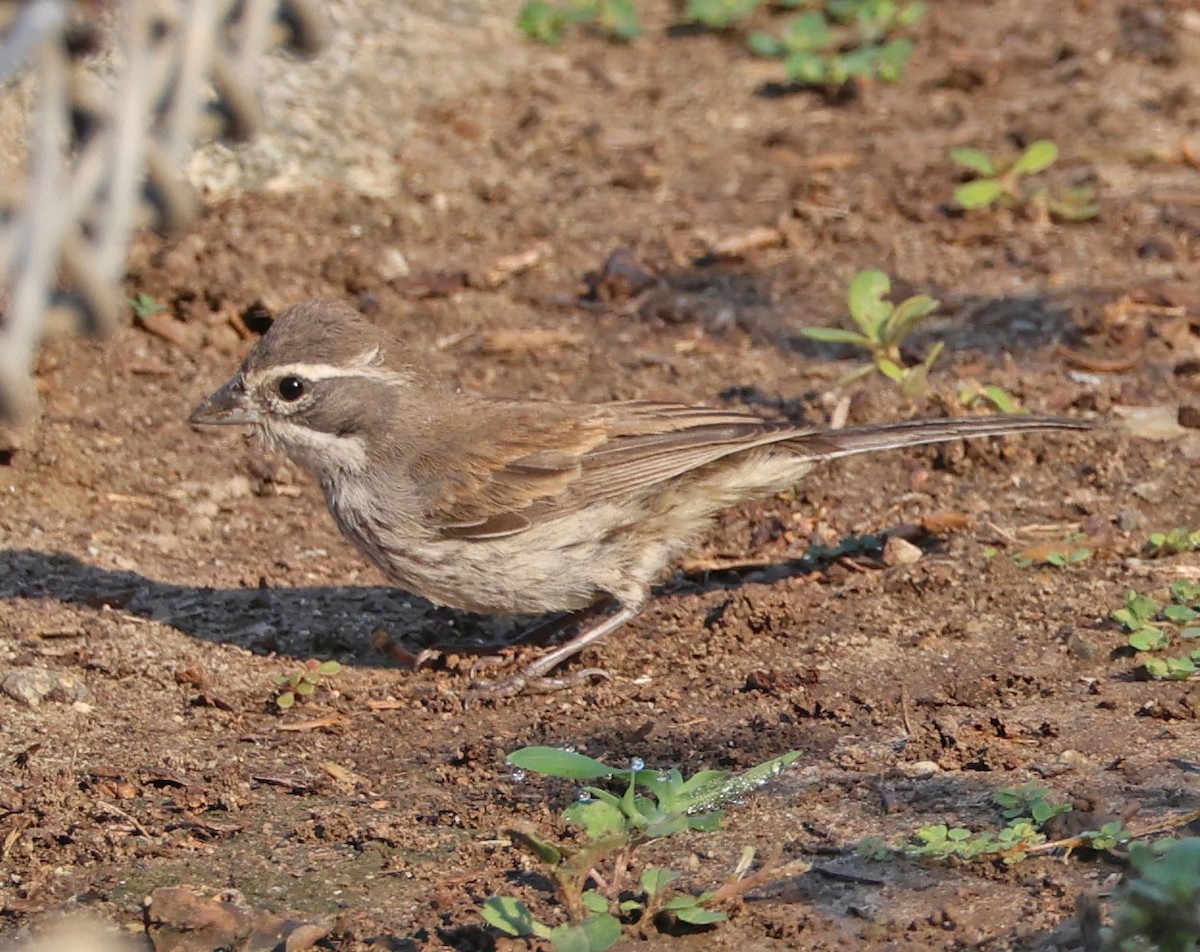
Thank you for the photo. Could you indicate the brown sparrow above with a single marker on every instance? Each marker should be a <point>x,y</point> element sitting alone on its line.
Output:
<point>521,506</point>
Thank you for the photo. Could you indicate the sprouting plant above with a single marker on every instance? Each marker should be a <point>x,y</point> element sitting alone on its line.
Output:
<point>146,304</point>
<point>1150,625</point>
<point>719,14</point>
<point>547,22</point>
<point>653,804</point>
<point>842,39</point>
<point>1161,544</point>
<point>1158,908</point>
<point>303,683</point>
<point>971,396</point>
<point>1026,809</point>
<point>1003,184</point>
<point>882,327</point>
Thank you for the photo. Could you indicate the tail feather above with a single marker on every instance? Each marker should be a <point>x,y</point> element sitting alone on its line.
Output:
<point>832,444</point>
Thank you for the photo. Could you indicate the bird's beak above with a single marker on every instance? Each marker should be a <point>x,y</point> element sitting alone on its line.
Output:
<point>229,405</point>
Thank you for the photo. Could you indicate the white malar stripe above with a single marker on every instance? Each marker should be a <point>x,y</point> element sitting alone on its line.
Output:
<point>324,454</point>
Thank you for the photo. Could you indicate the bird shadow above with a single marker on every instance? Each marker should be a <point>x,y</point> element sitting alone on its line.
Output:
<point>313,620</point>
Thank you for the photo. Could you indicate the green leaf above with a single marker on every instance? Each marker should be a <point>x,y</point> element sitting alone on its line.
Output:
<point>699,916</point>
<point>892,59</point>
<point>805,67</point>
<point>541,22</point>
<point>808,32</point>
<point>327,668</point>
<point>707,822</point>
<point>544,850</point>
<point>974,160</point>
<point>694,799</point>
<point>836,335</point>
<point>906,316</point>
<point>1149,638</point>
<point>305,688</point>
<point>1189,633</point>
<point>285,700</point>
<point>915,382</point>
<point>978,194</point>
<point>654,879</point>
<point>593,901</point>
<point>890,369</point>
<point>555,762</point>
<point>1181,668</point>
<point>1157,669</point>
<point>667,825</point>
<point>763,44</point>
<point>1180,614</point>
<point>509,915</point>
<point>675,903</point>
<point>1038,156</point>
<point>1000,398</point>
<point>619,19</point>
<point>598,819</point>
<point>595,934</point>
<point>911,14</point>
<point>865,298</point>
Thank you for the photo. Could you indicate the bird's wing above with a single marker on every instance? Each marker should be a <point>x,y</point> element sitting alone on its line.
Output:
<point>535,463</point>
<point>519,464</point>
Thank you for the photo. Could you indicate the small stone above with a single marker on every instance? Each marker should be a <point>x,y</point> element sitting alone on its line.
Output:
<point>1130,520</point>
<point>1151,490</point>
<point>31,686</point>
<point>922,768</point>
<point>897,551</point>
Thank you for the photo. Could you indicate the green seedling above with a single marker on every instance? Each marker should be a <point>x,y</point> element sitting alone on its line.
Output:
<point>1153,627</point>
<point>719,14</point>
<point>1026,809</point>
<point>145,305</point>
<point>302,684</point>
<point>837,40</point>
<point>1000,185</point>
<point>548,22</point>
<point>653,804</point>
<point>1161,544</point>
<point>882,327</point>
<point>969,397</point>
<point>1158,908</point>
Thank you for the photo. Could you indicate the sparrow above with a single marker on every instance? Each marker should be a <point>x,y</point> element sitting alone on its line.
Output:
<point>502,506</point>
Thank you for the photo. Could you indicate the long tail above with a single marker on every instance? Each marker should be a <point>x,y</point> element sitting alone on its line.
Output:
<point>831,444</point>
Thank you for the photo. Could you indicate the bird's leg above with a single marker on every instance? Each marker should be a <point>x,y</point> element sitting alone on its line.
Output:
<point>541,633</point>
<point>534,674</point>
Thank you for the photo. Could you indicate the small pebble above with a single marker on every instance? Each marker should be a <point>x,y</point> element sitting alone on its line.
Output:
<point>897,551</point>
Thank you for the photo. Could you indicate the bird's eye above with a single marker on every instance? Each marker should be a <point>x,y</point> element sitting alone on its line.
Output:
<point>291,388</point>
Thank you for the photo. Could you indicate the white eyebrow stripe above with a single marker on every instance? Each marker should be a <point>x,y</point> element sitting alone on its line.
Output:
<point>317,372</point>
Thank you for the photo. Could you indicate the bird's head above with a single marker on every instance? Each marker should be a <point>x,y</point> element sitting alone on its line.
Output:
<point>318,386</point>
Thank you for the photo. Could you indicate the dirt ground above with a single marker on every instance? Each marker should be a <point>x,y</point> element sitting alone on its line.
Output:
<point>166,574</point>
